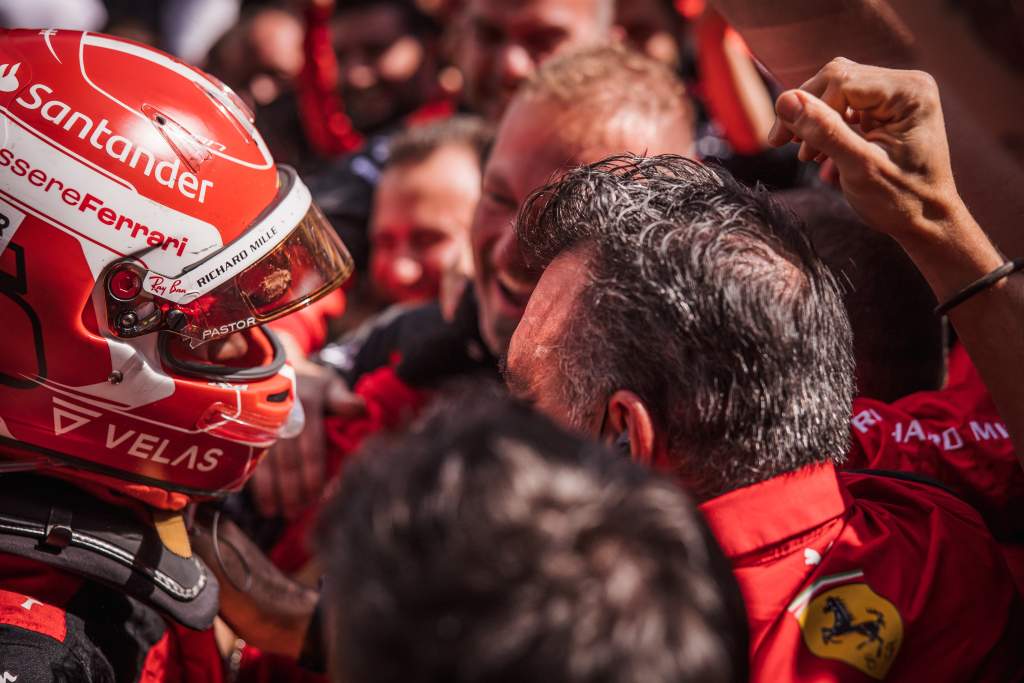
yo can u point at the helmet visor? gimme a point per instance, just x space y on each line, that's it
254 280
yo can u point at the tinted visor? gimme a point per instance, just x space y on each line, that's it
308 262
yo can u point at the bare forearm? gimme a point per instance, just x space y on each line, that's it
989 324
991 327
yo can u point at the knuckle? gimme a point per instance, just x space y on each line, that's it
922 79
838 68
925 86
832 134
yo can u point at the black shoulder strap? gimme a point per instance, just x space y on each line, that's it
55 523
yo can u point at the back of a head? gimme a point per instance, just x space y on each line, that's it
610 93
897 341
490 546
706 300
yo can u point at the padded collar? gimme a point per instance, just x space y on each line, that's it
60 525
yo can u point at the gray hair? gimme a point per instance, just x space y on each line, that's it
706 300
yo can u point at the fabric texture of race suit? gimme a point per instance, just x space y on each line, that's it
62 629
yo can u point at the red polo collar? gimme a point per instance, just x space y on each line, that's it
756 517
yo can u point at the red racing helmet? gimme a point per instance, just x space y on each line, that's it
142 216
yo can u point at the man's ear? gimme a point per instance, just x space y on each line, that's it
628 413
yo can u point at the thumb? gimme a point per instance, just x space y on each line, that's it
821 127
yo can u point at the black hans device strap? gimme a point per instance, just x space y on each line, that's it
59 525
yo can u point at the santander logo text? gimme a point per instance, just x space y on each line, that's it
168 173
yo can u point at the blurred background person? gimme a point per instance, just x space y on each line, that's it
371 67
503 43
423 208
260 58
420 234
387 52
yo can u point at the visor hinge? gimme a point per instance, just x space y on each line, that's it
175 320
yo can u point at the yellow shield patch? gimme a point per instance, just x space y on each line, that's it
853 624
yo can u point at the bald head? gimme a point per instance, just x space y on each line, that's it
617 99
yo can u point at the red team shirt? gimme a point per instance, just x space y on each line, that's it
855 577
956 437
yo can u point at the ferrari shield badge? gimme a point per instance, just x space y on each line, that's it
841 618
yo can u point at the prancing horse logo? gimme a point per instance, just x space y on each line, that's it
842 619
844 624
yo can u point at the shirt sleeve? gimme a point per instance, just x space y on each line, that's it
954 435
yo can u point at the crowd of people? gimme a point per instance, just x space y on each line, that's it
474 341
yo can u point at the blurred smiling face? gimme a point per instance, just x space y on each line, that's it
506 40
421 218
528 151
537 141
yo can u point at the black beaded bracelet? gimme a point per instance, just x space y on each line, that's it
980 285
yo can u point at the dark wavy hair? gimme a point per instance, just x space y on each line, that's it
706 299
